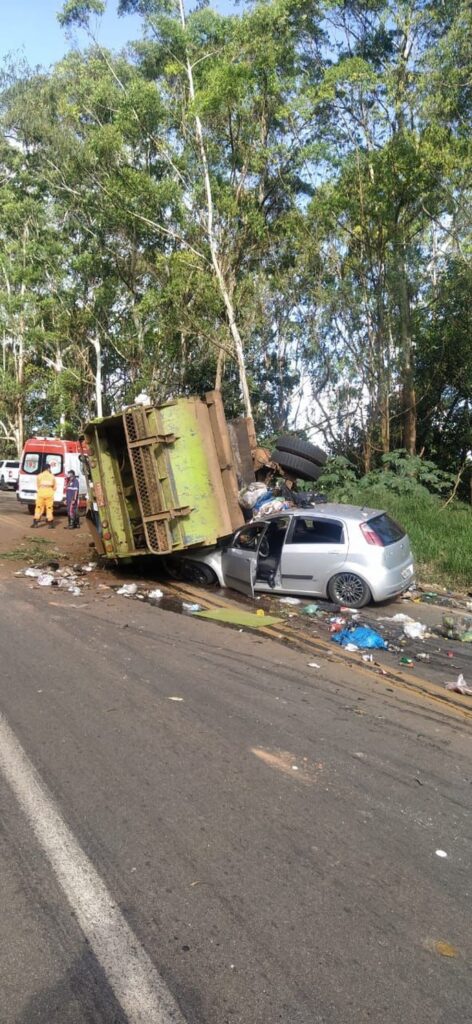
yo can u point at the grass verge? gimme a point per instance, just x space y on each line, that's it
33 551
441 538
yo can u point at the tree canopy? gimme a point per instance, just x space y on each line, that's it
275 202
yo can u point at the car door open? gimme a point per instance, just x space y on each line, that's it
239 561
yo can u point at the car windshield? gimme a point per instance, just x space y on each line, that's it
387 529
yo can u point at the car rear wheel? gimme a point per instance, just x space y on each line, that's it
307 450
296 466
349 589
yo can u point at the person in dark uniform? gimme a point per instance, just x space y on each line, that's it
72 500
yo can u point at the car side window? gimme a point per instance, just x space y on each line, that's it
248 538
316 531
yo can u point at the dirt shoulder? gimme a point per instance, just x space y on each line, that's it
20 544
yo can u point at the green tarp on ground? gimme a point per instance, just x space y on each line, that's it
237 617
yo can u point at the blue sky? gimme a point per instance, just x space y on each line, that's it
30 28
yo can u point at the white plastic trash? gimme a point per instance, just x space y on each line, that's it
35 573
154 595
460 686
45 580
128 590
415 630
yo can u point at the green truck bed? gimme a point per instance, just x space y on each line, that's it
163 477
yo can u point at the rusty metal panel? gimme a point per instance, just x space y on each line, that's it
240 443
225 456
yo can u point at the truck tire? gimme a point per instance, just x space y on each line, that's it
294 446
296 466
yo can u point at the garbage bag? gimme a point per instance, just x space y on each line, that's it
361 636
249 495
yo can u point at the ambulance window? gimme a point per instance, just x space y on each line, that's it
31 462
54 463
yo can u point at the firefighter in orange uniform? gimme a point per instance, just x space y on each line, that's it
45 498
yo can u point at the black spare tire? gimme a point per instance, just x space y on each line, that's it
307 450
296 466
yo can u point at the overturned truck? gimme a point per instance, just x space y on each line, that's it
166 478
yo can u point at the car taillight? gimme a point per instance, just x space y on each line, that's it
371 536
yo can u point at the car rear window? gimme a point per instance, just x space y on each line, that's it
387 529
12 465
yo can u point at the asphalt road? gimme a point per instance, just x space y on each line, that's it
268 841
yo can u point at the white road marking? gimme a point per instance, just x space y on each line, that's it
137 986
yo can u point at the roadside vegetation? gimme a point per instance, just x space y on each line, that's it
34 551
417 495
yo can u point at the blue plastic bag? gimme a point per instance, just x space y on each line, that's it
265 497
361 636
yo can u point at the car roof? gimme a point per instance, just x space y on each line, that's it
329 510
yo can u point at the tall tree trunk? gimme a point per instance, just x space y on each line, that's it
408 393
98 377
219 369
224 291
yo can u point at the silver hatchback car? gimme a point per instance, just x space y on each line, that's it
349 554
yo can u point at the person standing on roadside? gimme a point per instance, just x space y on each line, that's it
72 499
45 498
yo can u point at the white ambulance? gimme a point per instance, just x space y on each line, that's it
40 453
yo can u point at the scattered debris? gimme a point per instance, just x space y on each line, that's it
239 617
415 630
406 661
313 664
45 579
399 617
460 686
128 590
360 636
457 627
445 949
310 609
441 853
179 699
155 595
192 608
290 600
